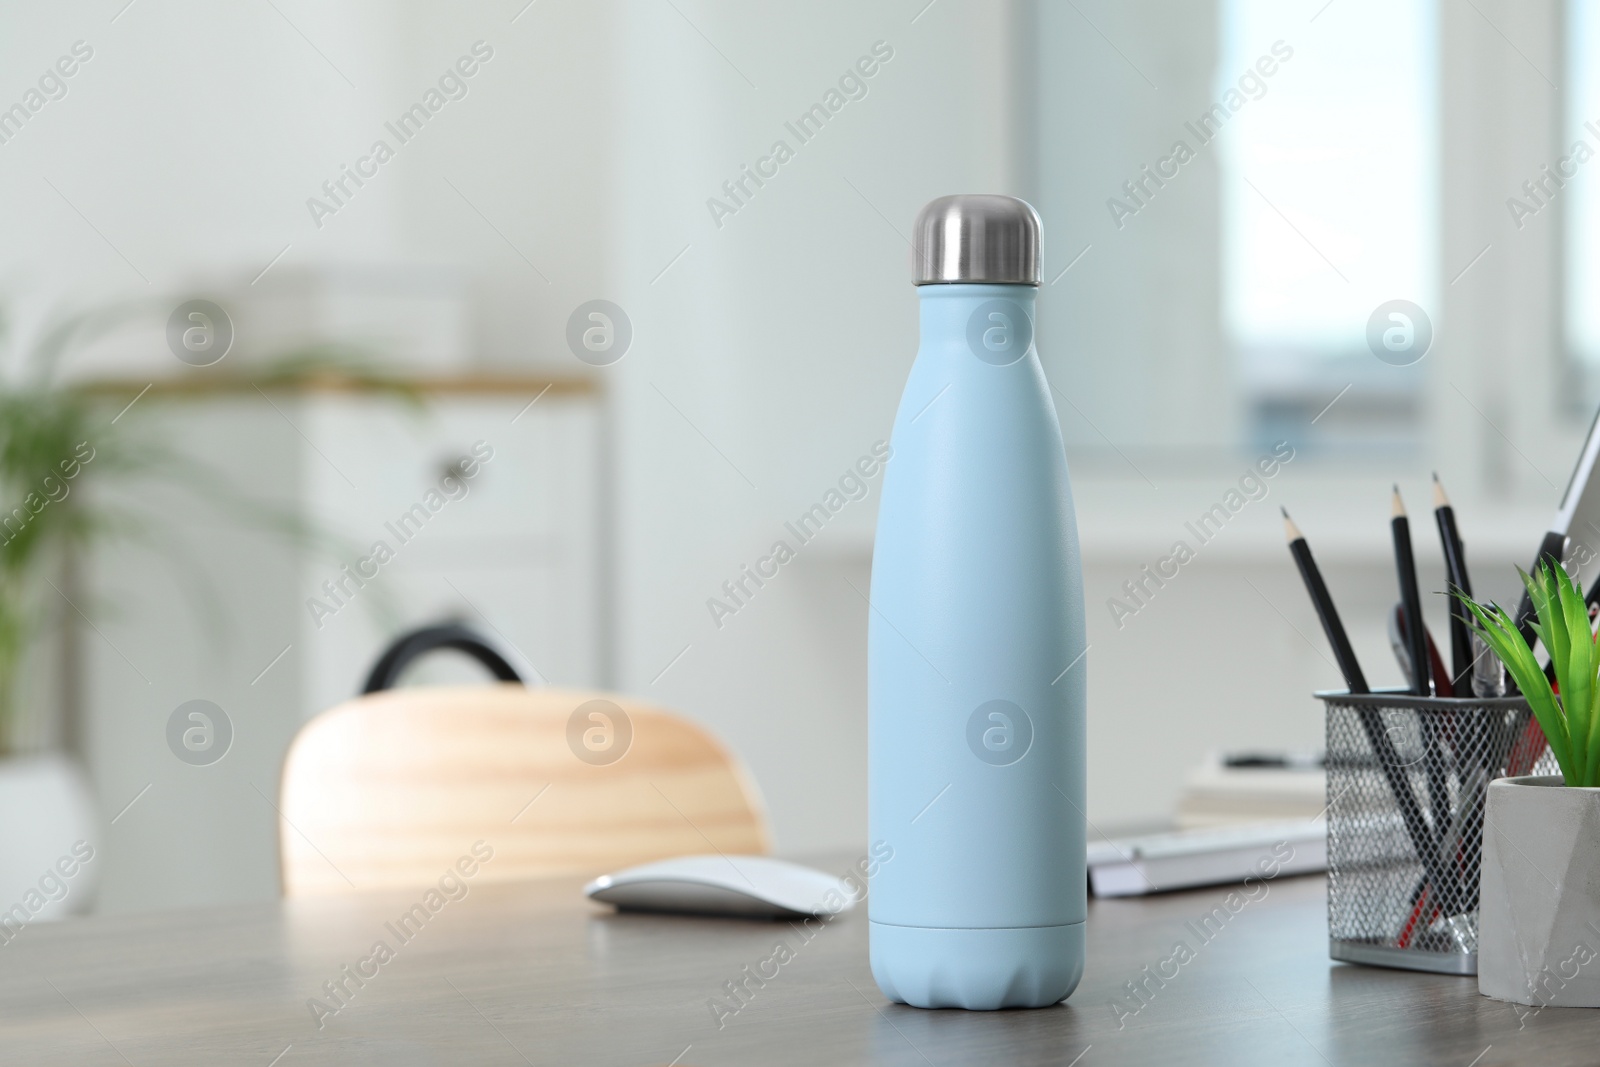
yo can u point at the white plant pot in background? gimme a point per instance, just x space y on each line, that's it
46 810
1539 895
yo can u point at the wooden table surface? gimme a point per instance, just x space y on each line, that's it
532 973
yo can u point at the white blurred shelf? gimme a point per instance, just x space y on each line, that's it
1345 518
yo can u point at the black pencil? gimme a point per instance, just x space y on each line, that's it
1354 680
1455 563
1405 565
1370 718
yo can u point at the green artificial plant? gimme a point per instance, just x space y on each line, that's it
1569 711
56 438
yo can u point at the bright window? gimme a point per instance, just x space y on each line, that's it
1329 181
1582 193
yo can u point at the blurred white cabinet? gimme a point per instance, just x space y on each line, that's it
512 550
211 601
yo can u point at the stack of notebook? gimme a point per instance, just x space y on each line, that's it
1251 787
1239 816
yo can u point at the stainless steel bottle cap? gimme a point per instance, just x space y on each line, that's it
976 237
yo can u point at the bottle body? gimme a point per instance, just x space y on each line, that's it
976 673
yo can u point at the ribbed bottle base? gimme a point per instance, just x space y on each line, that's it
981 970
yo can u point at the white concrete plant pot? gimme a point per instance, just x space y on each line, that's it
45 809
1539 895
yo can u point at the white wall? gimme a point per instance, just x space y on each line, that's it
772 355
1499 394
195 135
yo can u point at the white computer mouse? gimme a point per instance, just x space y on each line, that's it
750 886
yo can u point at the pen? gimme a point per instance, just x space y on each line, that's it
1400 644
1455 563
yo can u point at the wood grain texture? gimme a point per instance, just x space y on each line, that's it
392 789
531 973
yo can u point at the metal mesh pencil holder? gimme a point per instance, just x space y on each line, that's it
1407 778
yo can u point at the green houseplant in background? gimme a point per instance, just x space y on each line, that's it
1539 895
45 804
52 445
46 451
57 441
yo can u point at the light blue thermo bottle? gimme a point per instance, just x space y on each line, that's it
975 645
